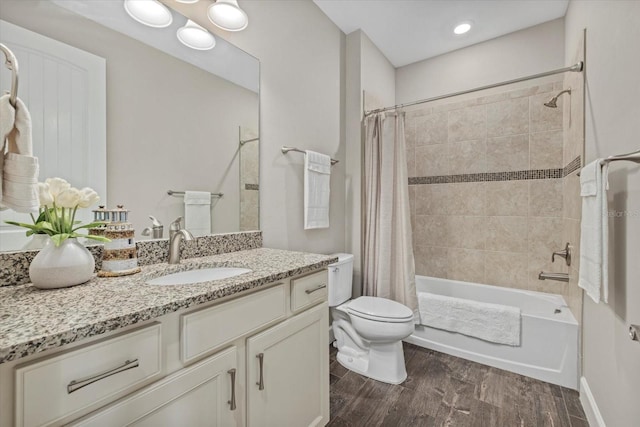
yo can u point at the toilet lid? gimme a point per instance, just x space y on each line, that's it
382 309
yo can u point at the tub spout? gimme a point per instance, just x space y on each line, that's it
561 277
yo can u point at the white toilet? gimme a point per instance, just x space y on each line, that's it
368 330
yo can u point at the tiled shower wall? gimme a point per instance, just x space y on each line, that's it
486 188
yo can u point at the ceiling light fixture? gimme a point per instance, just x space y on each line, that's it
227 15
194 36
187 1
149 12
462 28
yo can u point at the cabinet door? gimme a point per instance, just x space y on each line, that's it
294 372
195 396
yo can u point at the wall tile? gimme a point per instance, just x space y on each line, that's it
572 206
432 261
411 162
431 129
467 123
544 118
508 198
468 157
466 232
506 269
467 265
433 199
509 153
545 237
508 117
507 234
431 230
410 131
546 150
467 199
432 160
545 197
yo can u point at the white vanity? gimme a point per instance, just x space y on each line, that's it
254 352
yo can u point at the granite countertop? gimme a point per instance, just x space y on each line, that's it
33 320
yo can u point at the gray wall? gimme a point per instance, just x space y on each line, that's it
301 56
611 361
522 53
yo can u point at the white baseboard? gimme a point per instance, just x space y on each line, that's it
589 405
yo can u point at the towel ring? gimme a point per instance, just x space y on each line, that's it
12 64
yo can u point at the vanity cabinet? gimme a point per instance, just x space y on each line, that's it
287 377
256 359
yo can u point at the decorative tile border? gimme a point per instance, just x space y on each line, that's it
499 176
255 187
14 266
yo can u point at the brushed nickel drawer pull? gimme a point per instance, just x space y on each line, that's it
317 288
76 385
232 402
260 384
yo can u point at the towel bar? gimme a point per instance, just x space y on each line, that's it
629 157
181 193
285 150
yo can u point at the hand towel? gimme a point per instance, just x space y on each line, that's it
19 168
197 212
317 187
490 322
594 231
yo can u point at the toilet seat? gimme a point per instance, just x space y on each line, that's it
380 310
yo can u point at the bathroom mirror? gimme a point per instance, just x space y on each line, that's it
173 118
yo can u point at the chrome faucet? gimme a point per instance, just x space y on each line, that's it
561 277
178 234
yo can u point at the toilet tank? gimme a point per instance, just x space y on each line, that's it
340 279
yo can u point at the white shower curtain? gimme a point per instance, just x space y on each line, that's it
388 263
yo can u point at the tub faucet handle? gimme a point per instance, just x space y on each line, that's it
565 253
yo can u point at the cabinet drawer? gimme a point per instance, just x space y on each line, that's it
210 328
55 388
308 290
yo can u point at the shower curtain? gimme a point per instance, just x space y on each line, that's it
388 263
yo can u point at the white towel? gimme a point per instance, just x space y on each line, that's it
197 212
594 231
317 187
18 167
489 322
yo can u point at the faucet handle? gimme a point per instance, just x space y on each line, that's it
565 253
176 224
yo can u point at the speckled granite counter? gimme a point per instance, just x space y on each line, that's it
34 320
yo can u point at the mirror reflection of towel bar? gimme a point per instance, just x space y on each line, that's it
181 193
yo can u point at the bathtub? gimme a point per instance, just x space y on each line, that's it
549 336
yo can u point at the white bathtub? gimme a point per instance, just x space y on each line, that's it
549 340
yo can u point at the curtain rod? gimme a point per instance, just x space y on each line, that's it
578 67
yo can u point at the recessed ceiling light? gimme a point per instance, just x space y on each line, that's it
227 15
195 37
149 12
462 28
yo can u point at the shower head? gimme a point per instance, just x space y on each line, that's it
553 102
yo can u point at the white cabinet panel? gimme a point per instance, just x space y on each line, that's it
43 395
197 396
295 372
308 290
210 328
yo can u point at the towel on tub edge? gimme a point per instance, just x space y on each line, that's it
490 322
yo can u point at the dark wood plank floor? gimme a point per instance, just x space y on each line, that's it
443 390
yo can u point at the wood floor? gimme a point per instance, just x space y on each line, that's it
443 390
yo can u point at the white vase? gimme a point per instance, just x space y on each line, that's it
61 266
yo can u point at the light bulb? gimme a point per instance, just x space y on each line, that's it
227 15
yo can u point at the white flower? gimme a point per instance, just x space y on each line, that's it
68 198
46 199
57 186
87 197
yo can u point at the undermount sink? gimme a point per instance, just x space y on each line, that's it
198 276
